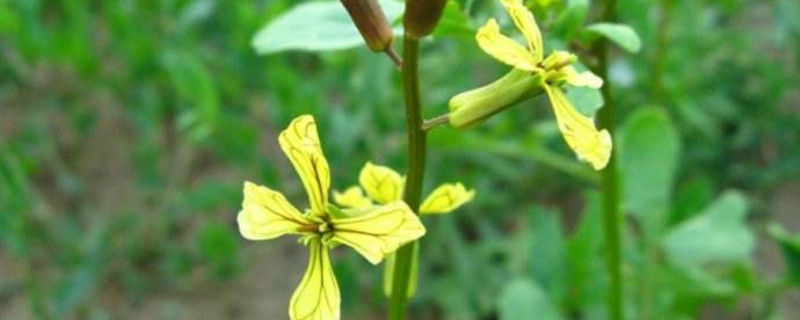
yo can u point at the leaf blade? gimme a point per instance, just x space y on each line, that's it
623 35
331 29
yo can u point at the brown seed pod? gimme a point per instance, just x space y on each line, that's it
422 16
371 23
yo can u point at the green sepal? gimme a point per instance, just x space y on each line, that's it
472 107
336 212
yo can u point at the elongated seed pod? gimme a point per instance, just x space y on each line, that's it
422 16
371 23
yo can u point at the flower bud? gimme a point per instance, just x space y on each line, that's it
371 23
472 107
422 16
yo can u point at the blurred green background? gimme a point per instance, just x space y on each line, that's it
128 127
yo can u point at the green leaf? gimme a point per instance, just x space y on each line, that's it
586 100
455 21
549 253
692 196
522 298
218 246
571 18
81 282
787 12
15 203
693 281
790 246
649 149
718 234
237 143
317 26
776 314
210 196
586 255
75 288
195 85
623 35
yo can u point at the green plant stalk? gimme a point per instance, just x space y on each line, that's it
398 301
612 218
646 282
646 286
660 52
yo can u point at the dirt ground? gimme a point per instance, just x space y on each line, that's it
262 292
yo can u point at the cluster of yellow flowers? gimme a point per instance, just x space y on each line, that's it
377 223
383 185
374 230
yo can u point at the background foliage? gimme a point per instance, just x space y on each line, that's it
128 128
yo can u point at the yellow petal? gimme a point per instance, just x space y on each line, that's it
503 48
317 296
582 79
381 183
380 231
523 19
446 198
353 197
579 131
266 214
301 144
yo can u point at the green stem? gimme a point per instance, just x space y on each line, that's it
660 51
441 120
416 167
612 218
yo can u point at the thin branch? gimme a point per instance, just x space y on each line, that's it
398 62
441 120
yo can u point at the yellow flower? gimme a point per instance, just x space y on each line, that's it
374 232
555 70
383 185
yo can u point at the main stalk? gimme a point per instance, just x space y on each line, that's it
612 215
398 302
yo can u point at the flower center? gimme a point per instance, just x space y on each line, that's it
319 228
323 228
558 60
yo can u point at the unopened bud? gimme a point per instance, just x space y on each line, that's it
371 23
422 16
473 107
